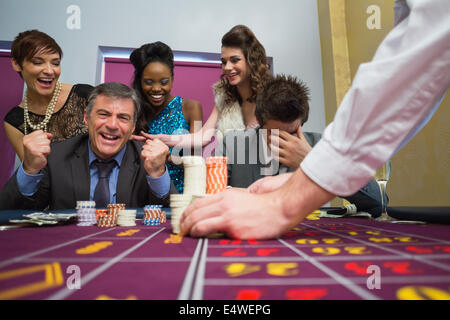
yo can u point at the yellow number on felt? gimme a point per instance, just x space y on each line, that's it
326 251
422 293
105 297
307 241
128 233
174 238
405 239
240 269
377 240
331 240
95 247
357 250
282 269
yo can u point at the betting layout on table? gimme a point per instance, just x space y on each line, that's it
347 258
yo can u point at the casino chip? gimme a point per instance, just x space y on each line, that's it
126 218
217 174
200 179
194 175
178 203
153 215
108 217
86 213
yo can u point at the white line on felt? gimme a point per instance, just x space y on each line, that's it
104 259
189 277
64 293
314 245
404 233
336 276
197 294
32 254
323 281
228 259
403 254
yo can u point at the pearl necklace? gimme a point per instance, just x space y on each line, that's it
48 112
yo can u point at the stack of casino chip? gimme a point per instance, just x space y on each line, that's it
178 203
153 215
86 213
102 218
194 175
126 218
108 217
216 174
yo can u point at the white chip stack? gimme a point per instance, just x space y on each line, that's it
126 218
194 175
194 184
178 203
86 213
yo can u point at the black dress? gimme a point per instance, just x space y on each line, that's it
65 123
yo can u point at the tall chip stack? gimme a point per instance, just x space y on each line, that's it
194 175
194 183
216 174
178 203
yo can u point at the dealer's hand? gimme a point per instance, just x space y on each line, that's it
239 214
244 215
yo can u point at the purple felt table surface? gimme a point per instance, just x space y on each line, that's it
347 258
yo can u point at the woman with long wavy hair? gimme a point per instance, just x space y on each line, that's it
245 68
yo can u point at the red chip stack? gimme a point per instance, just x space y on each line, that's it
216 174
108 217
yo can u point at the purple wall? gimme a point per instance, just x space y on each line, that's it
11 90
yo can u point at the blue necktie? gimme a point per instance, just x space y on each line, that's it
101 193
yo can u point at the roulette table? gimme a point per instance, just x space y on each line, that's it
321 258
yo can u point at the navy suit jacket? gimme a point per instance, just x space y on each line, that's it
66 180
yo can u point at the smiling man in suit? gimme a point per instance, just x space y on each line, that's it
103 165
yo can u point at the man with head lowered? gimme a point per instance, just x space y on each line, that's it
103 165
279 145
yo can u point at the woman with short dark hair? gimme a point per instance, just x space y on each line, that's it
47 105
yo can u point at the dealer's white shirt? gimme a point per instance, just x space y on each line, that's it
389 98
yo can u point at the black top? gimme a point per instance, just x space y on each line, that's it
65 123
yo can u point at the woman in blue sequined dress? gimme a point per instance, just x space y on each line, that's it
161 112
245 68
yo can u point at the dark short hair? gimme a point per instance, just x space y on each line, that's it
28 43
282 98
115 90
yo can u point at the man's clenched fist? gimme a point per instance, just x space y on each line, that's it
36 149
154 153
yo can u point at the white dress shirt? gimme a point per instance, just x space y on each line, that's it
389 98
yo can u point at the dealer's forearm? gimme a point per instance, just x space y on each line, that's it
300 196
